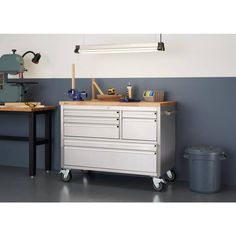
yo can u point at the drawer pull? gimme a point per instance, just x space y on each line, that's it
117 126
155 120
117 119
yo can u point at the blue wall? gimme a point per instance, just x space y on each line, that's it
206 115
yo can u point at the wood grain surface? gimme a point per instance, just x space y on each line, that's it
26 109
95 102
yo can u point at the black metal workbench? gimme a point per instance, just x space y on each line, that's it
32 138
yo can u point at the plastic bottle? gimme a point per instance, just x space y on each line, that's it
129 91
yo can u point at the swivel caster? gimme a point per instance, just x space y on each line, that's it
158 184
66 175
170 176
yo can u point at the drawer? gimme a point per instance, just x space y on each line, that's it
140 114
110 159
139 129
91 130
91 113
91 120
73 142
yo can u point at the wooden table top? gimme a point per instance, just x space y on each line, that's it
105 103
26 109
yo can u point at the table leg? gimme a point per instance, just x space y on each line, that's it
32 144
48 136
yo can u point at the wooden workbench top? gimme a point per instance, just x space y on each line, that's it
103 103
26 109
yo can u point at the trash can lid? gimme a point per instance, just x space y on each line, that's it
204 150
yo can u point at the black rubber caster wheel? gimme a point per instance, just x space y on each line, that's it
170 176
158 186
67 178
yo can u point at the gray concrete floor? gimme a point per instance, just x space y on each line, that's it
16 186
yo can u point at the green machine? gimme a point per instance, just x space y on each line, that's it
14 90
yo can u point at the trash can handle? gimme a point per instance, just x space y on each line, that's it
169 112
224 156
186 156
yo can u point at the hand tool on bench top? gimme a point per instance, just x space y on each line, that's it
73 93
104 97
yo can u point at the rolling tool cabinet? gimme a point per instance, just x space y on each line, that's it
129 138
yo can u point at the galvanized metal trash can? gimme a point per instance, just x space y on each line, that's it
204 168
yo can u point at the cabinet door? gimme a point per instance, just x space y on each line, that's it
110 159
139 129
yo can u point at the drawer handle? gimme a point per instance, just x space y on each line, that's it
117 119
155 153
117 112
117 126
155 120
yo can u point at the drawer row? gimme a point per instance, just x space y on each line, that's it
105 144
131 129
102 159
109 113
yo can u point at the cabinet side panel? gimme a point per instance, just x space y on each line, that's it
62 136
167 142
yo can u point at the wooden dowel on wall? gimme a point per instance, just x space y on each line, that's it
93 89
95 85
73 77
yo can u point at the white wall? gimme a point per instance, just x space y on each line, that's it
186 55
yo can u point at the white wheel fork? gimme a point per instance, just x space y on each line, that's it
65 172
158 184
169 174
157 181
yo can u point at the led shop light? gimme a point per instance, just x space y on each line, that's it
120 48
